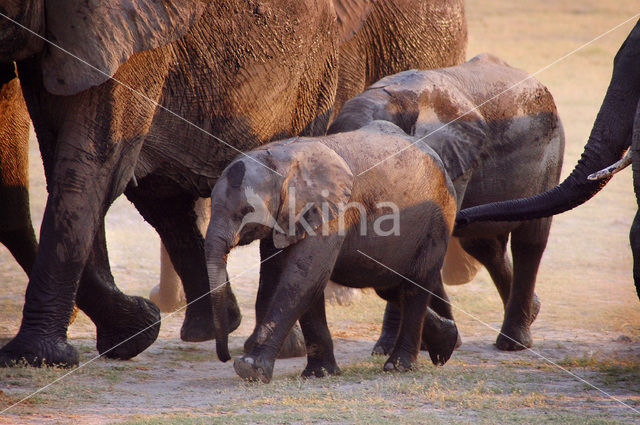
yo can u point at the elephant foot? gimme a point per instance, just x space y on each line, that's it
384 345
441 337
125 333
399 363
320 368
198 325
38 351
514 339
423 344
293 345
253 369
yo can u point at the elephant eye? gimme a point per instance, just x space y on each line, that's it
246 210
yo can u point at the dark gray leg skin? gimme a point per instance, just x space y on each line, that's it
175 221
22 245
439 327
294 345
406 349
319 346
390 328
125 325
299 285
527 245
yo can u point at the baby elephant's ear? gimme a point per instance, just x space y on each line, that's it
316 189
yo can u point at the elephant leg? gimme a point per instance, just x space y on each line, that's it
125 325
319 346
492 253
439 304
175 221
22 244
634 234
294 343
299 285
439 322
634 239
390 327
80 192
528 242
168 294
414 311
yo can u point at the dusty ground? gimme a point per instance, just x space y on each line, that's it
589 324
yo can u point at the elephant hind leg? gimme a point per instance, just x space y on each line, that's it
634 239
125 325
528 242
492 253
319 346
22 245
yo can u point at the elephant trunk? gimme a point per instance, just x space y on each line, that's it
610 137
217 248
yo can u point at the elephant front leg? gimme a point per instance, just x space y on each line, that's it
174 219
80 190
294 344
126 325
306 267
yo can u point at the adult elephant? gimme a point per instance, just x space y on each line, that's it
16 230
377 38
188 78
616 128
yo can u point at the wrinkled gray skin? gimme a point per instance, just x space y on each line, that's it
247 75
509 146
616 128
314 180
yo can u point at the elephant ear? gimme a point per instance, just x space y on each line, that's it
316 188
351 16
104 34
455 130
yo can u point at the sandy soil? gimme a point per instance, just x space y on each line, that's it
589 324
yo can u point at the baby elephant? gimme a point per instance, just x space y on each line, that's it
322 212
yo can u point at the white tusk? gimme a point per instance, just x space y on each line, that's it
612 169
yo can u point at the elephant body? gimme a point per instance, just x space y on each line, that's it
427 34
16 230
498 134
319 217
193 84
616 129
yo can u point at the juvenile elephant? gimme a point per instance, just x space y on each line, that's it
317 218
499 136
16 230
376 38
193 83
615 129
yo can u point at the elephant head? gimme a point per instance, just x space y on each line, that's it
284 191
88 40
